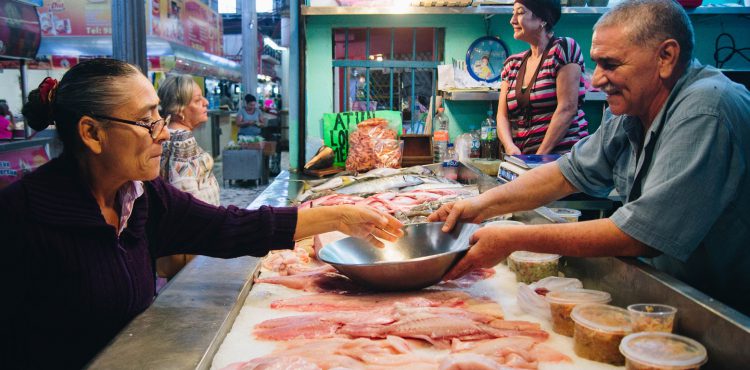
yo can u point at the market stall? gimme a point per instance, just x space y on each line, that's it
209 310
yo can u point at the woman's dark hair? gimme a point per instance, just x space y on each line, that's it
249 98
88 88
4 109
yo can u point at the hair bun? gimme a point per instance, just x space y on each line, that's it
38 115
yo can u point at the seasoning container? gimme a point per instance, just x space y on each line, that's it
530 267
569 214
561 303
599 328
504 223
662 351
652 317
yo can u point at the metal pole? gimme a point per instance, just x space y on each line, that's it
22 82
296 112
249 47
129 32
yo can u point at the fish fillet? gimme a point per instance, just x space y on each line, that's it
436 325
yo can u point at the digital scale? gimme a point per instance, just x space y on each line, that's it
513 166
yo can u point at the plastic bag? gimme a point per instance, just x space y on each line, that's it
531 297
373 145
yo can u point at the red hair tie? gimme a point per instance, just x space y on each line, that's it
47 90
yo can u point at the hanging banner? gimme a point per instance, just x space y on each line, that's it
76 18
338 126
189 22
16 163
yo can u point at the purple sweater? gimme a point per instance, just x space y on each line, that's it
70 284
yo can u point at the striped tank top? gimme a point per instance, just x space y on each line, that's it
528 127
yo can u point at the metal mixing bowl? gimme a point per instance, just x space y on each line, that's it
417 260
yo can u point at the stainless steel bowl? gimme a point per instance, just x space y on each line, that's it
417 260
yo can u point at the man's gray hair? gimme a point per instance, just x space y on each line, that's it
652 22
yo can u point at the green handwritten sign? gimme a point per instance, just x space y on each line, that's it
338 126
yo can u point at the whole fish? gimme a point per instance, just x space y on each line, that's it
380 184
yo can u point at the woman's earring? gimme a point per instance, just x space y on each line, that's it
544 24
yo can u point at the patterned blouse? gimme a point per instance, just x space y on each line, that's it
528 127
188 167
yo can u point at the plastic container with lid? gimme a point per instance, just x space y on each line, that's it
652 317
569 214
561 303
662 351
599 328
530 267
504 223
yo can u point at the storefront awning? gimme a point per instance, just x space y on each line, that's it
172 56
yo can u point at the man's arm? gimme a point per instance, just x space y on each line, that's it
533 189
597 238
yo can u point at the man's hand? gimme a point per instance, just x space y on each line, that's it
467 210
490 245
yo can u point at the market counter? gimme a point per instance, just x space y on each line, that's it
188 321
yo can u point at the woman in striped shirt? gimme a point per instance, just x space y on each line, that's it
539 110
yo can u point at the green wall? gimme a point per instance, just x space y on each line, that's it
460 31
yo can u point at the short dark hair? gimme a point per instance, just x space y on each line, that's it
249 98
86 89
4 109
653 21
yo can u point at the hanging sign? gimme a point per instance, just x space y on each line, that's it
16 163
338 126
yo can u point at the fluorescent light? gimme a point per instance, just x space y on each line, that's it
227 6
268 41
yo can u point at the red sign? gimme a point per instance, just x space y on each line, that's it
76 18
16 163
189 22
19 30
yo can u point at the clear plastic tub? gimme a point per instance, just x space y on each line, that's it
561 303
569 214
662 351
530 267
652 317
599 328
504 223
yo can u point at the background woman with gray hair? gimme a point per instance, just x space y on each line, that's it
184 164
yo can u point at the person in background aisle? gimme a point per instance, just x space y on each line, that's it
539 110
676 146
250 118
226 100
6 122
80 232
184 164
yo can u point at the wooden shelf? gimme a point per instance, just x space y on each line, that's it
494 95
490 9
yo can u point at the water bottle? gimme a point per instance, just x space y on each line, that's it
490 143
450 163
475 151
440 136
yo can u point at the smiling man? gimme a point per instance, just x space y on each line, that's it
675 145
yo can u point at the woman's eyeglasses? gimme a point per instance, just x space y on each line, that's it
154 128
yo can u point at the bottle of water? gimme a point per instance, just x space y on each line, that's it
490 142
440 136
450 163
476 143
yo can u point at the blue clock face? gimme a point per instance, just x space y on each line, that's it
485 58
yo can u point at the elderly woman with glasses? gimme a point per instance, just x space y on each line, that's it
184 164
81 232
